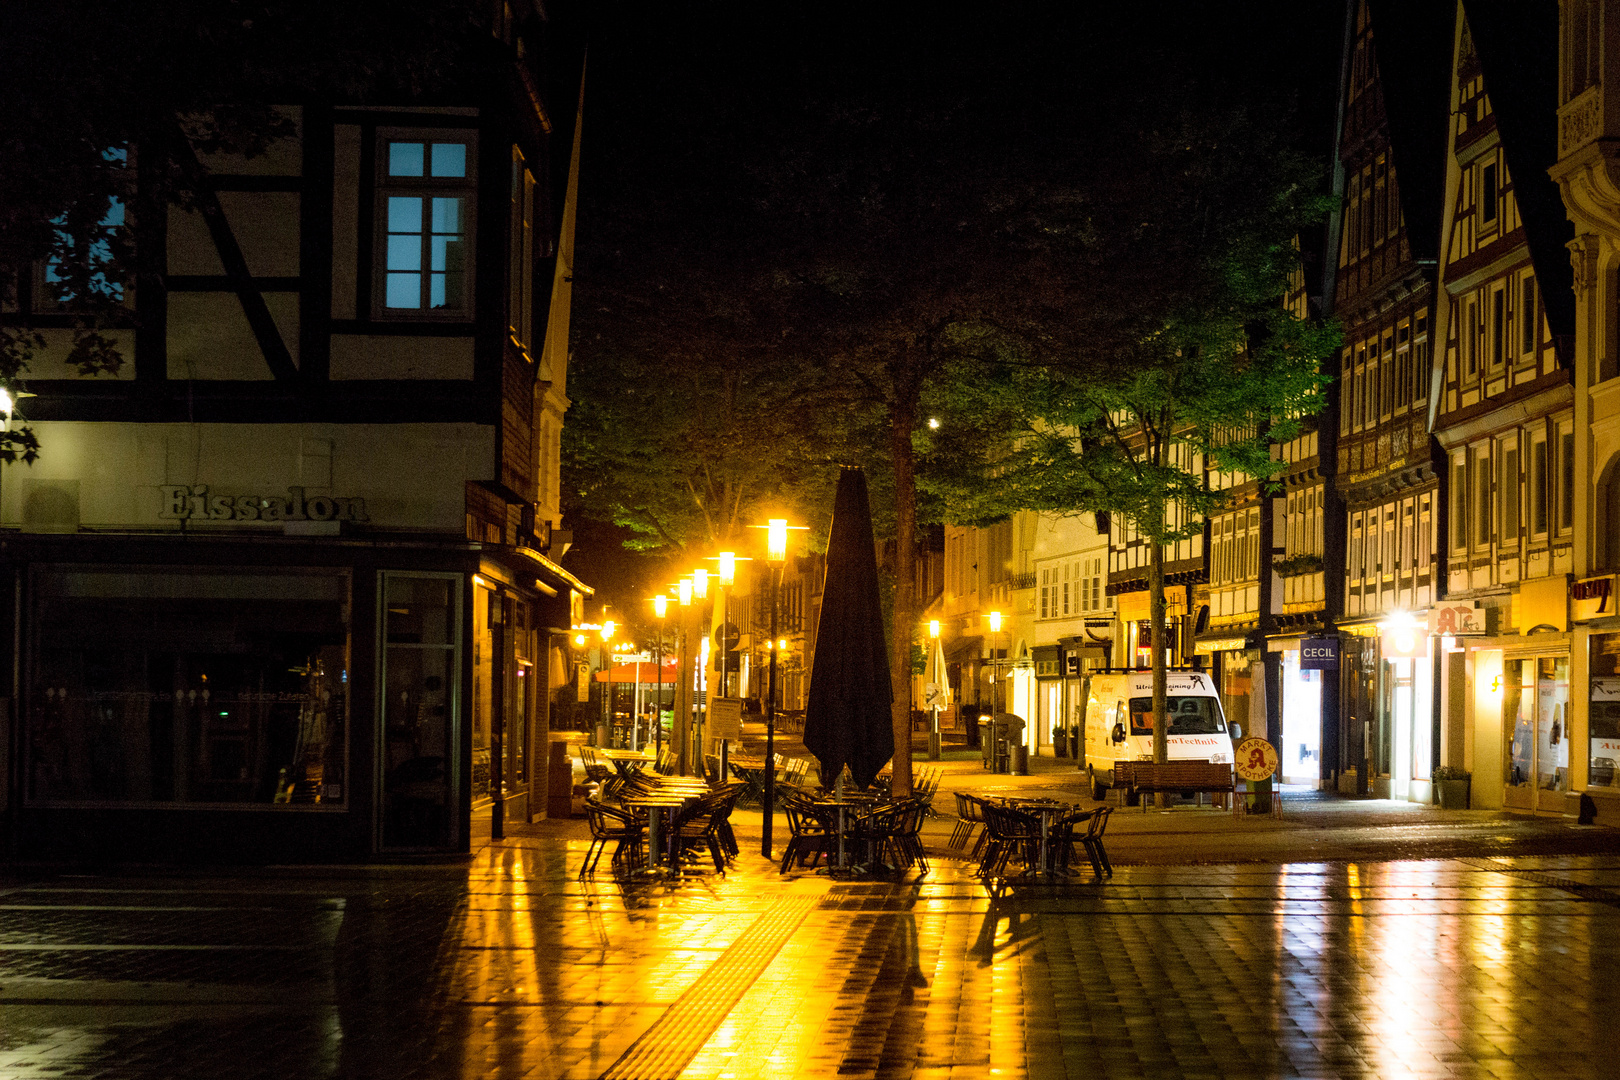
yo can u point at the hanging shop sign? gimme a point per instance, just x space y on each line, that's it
192 502
1319 654
1459 618
1592 598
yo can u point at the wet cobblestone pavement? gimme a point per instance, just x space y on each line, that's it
509 967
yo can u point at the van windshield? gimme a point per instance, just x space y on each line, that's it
1188 716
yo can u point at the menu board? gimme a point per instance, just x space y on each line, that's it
725 718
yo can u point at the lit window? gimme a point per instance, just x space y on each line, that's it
426 204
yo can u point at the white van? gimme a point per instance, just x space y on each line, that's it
1119 722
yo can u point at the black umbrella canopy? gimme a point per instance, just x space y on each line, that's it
846 716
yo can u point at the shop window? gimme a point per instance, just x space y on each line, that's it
151 685
1603 747
420 679
425 201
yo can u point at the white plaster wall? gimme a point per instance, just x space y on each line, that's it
412 476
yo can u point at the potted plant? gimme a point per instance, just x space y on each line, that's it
1451 788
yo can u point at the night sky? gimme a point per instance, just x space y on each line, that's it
681 97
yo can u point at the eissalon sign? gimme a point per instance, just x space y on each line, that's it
182 502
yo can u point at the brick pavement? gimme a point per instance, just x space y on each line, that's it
509 967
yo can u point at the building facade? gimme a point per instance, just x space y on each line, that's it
284 587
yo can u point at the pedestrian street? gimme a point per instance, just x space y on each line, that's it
511 967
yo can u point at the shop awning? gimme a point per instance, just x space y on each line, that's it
648 672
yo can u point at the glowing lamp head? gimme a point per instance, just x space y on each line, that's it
700 584
781 645
995 622
728 567
6 404
686 592
608 630
776 540
933 628
933 423
660 605
579 639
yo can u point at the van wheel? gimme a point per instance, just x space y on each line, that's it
1099 790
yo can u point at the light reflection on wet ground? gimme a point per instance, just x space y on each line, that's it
509 967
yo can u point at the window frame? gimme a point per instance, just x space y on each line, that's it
426 188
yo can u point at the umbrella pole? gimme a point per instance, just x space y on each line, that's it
770 734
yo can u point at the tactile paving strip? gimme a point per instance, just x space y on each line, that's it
1595 893
675 1038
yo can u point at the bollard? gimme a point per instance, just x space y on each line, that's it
1020 760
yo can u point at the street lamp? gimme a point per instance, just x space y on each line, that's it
776 555
660 605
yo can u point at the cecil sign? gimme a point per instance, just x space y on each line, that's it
193 503
1319 654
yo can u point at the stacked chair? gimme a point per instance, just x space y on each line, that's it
611 823
968 819
1012 833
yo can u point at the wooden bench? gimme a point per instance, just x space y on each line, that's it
1146 777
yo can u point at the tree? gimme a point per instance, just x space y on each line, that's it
1193 366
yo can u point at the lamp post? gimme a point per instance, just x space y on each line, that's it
605 731
682 733
700 666
660 605
933 649
728 577
776 556
995 661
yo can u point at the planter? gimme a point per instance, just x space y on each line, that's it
1453 794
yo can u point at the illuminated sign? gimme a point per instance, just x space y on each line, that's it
1458 618
1319 654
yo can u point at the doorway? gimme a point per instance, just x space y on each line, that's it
1535 719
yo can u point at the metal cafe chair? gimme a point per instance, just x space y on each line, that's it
609 823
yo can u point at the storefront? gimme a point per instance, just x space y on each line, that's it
1388 738
1304 666
275 699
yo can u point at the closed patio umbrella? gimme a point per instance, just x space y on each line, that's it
847 711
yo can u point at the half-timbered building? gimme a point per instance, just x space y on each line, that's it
1381 288
285 586
1503 406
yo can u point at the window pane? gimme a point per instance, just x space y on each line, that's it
447 215
449 159
405 159
168 686
404 214
404 290
405 252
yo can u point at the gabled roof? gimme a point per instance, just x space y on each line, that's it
1517 44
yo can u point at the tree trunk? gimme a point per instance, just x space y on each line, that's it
903 422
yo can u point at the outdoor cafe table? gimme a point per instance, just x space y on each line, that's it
628 762
842 806
657 806
1048 810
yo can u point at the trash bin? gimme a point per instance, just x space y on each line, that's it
1008 732
987 742
1020 760
560 782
